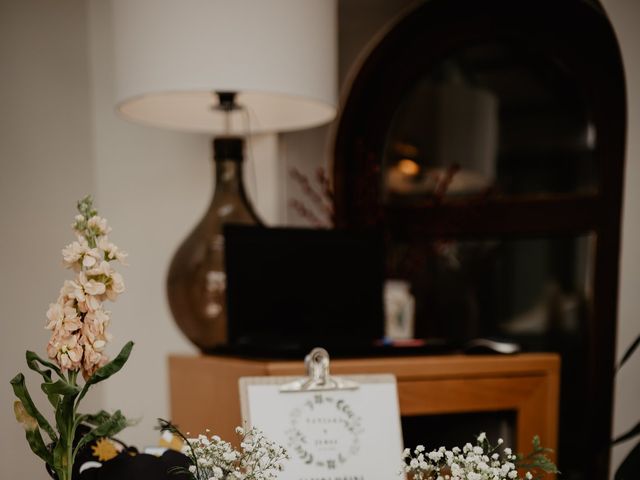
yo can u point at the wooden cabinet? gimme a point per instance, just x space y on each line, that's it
493 213
204 389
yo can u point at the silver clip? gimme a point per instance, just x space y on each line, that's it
318 378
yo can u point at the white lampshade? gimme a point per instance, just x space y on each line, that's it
279 55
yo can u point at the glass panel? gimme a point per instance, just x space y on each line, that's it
491 119
455 430
536 291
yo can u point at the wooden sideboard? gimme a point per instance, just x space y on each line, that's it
204 389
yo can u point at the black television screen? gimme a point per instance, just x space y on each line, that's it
293 289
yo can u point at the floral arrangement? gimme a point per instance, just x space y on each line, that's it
78 323
481 461
215 459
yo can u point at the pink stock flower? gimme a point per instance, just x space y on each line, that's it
95 325
66 351
116 286
55 315
92 360
63 319
77 321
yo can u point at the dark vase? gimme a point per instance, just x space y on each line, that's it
196 284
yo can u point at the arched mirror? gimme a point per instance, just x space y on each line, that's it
486 138
494 119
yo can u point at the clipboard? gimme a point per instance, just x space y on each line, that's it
334 428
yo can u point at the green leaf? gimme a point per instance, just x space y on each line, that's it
20 391
630 466
61 387
632 348
32 362
537 459
115 424
107 370
37 445
96 418
64 418
59 457
626 436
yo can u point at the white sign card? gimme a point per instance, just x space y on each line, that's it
329 434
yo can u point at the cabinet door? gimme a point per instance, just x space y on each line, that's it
486 138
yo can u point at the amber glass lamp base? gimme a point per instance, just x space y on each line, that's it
196 283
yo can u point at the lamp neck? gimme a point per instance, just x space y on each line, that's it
228 157
229 176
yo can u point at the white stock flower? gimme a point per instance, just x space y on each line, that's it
116 286
111 251
99 225
73 253
91 257
101 268
92 287
73 290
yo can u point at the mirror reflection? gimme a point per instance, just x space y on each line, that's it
491 119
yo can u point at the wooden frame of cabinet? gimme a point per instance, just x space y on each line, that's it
204 389
589 52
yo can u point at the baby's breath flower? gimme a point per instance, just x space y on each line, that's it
215 459
472 462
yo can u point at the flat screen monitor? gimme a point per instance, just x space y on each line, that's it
292 289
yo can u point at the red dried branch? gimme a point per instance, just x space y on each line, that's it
322 201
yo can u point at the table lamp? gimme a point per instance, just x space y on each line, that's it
229 68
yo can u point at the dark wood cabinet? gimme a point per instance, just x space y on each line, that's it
486 139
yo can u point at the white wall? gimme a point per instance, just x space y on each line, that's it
625 16
45 165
